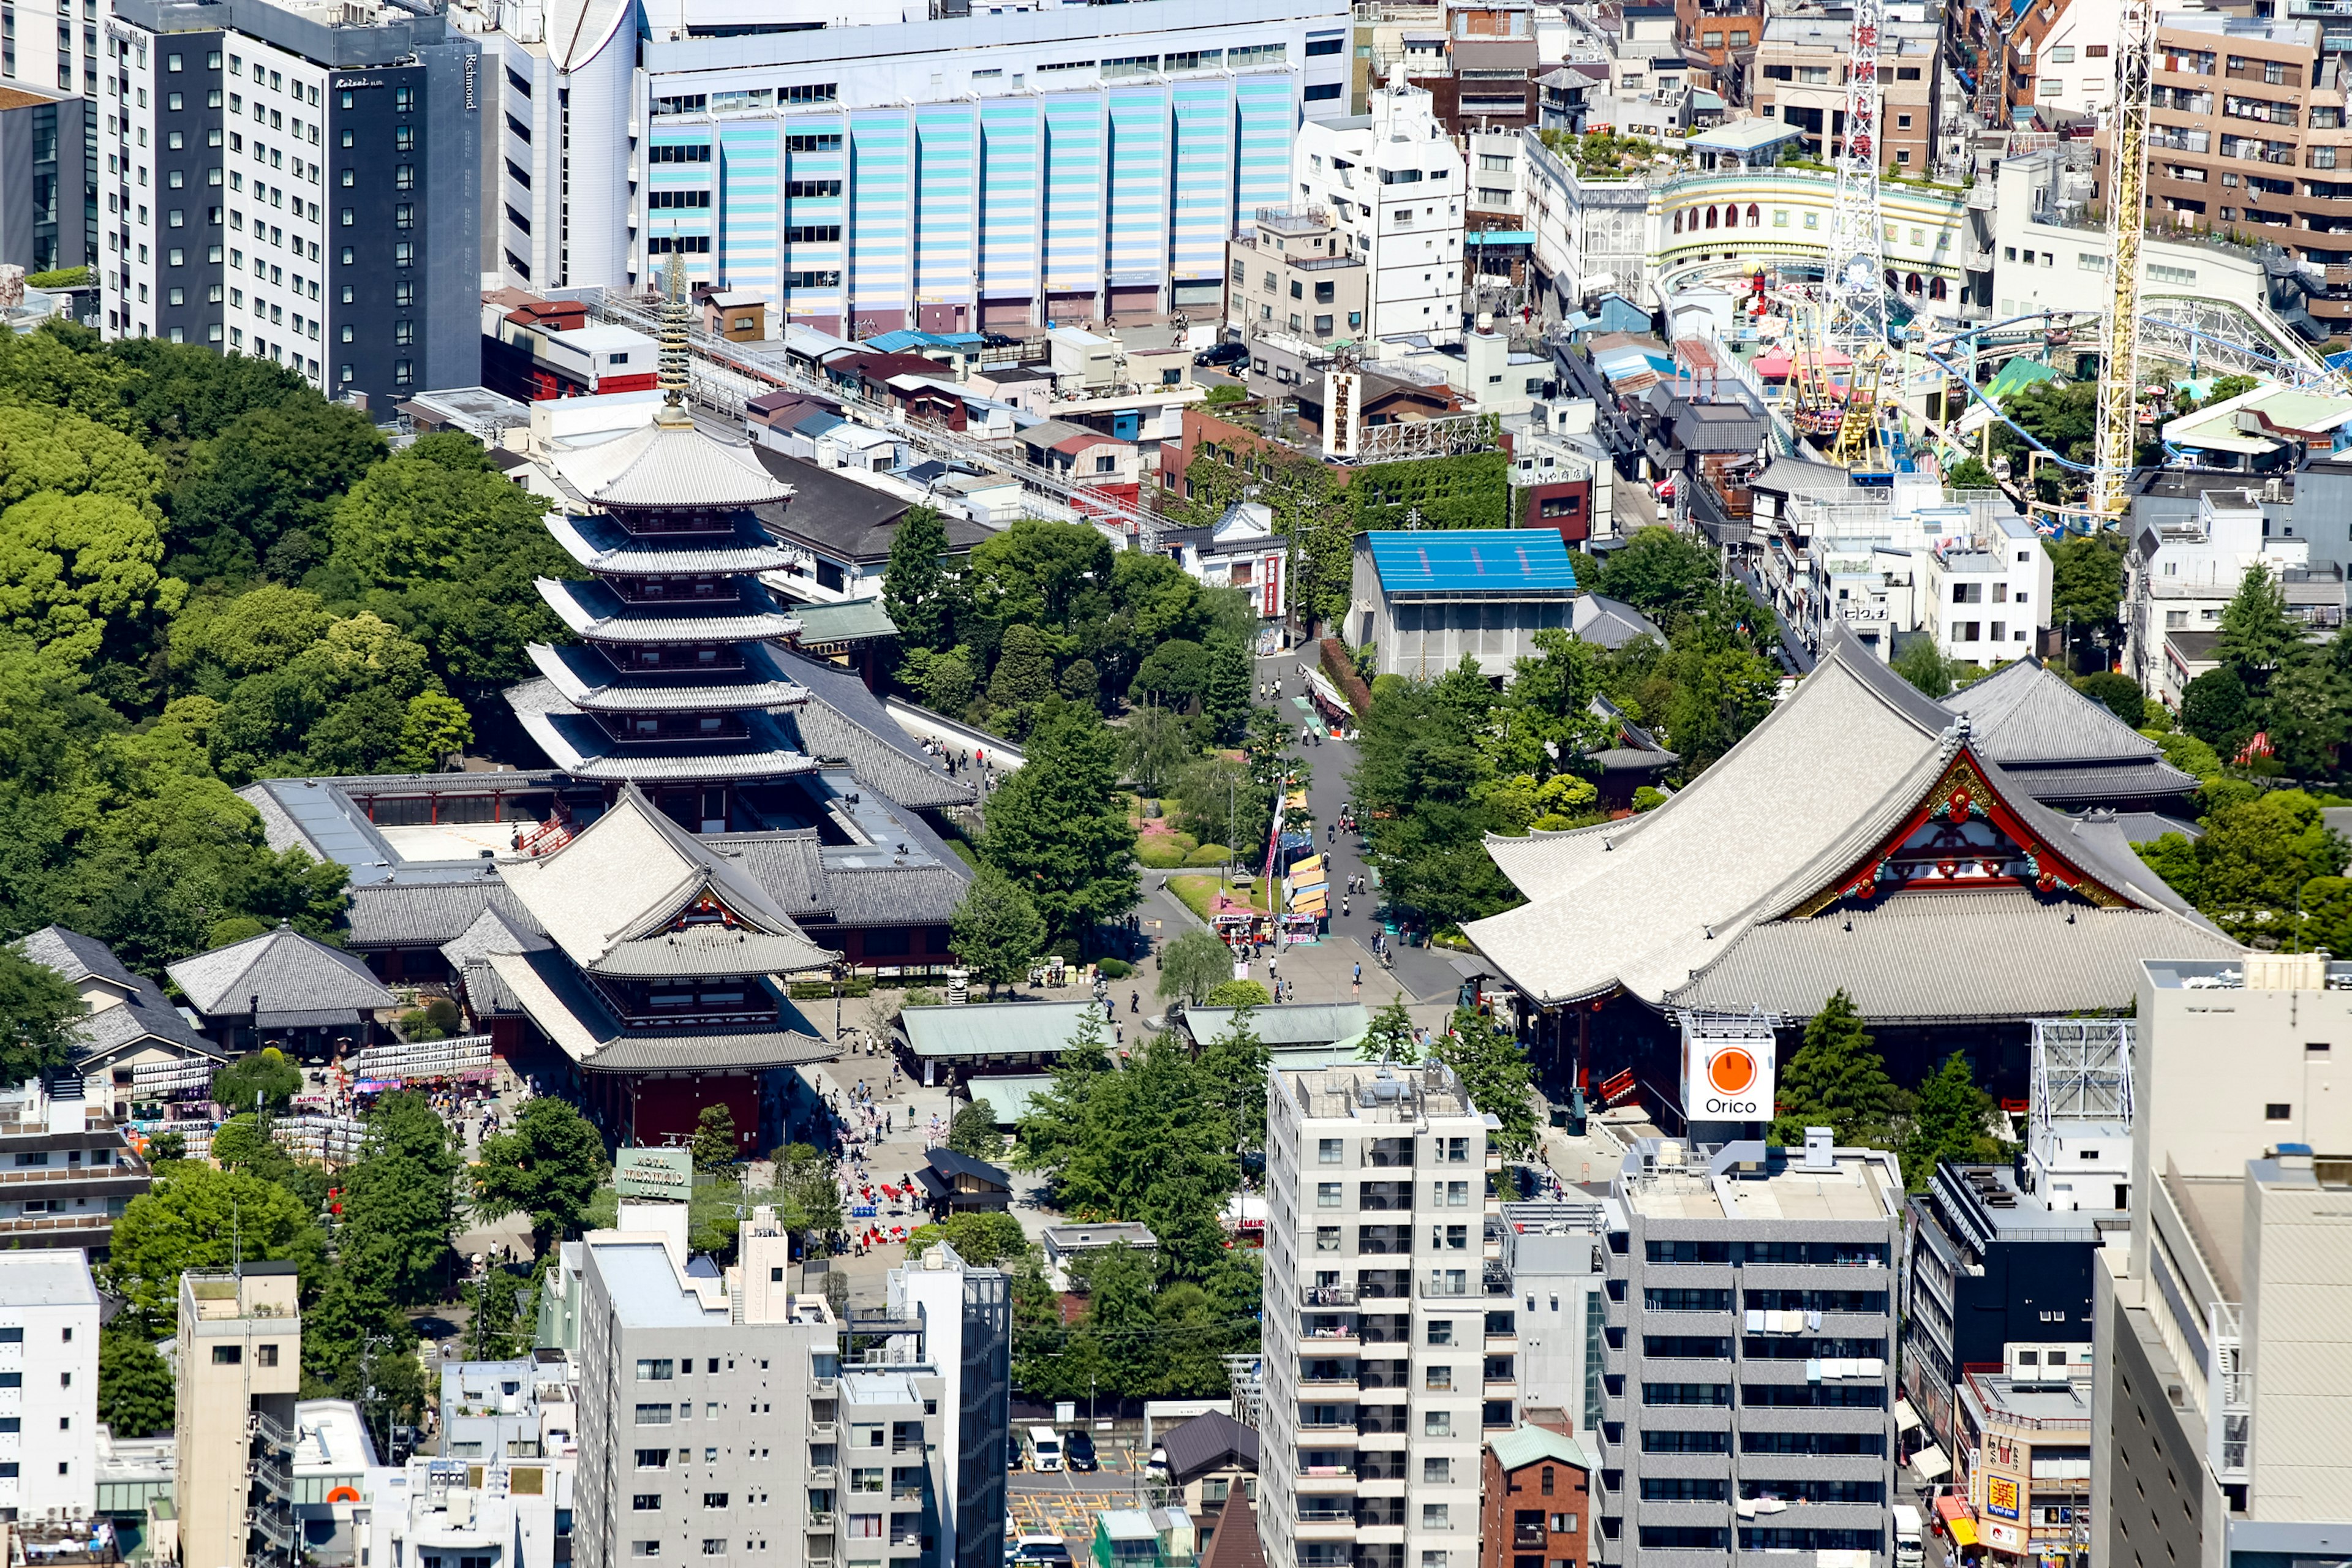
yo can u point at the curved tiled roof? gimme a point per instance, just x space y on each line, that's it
602 544
2059 743
593 611
589 682
293 975
1651 903
669 463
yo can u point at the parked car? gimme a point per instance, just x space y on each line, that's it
1078 1452
1223 355
1042 1552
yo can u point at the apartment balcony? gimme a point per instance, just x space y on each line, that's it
1294 220
1340 1529
820 1519
824 1431
823 1475
1339 1296
1325 1480
1329 1340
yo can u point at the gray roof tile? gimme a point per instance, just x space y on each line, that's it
298 981
426 914
76 957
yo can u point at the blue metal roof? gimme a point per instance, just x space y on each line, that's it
1501 561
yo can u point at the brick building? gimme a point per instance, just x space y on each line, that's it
1536 1508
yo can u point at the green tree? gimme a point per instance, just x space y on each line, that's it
2310 708
973 1133
1970 474
950 683
1232 1066
1494 1074
982 1240
2187 753
806 1198
498 1331
1949 1122
1389 1039
715 1144
1080 682
80 575
1659 571
260 495
2087 579
1024 676
198 1218
400 1196
1424 783
2172 856
918 589
2323 917
45 447
2256 856
2119 693
1237 993
1052 1127
38 1014
264 1072
1173 673
135 1394
546 1167
1057 827
2256 630
433 730
1836 1079
1225 690
1921 663
1192 965
995 930
1153 750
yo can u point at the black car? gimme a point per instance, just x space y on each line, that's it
1078 1452
1222 355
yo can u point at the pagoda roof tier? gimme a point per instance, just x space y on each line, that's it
569 1012
581 746
672 462
634 895
590 682
2061 746
602 545
593 611
1858 804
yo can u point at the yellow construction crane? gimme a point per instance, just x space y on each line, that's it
2110 490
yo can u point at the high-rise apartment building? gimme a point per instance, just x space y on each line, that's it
1751 1354
725 1415
2246 131
1378 1304
886 167
240 1366
301 183
2223 1359
48 185
48 1384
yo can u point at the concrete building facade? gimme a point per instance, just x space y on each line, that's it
298 189
48 1386
240 1366
1396 184
1752 1323
1379 1306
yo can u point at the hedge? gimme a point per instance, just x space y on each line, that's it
1341 669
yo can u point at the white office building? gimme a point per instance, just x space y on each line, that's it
1556 1253
1395 183
1379 1309
873 165
48 1386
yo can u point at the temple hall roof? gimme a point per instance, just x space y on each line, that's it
1792 836
2060 746
615 896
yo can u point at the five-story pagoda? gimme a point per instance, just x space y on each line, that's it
671 686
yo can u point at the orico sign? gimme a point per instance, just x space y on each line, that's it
1728 1078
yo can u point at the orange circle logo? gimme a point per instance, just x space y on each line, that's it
1731 1070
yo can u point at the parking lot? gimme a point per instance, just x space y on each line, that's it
1058 1502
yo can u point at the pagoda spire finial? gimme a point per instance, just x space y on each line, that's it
676 356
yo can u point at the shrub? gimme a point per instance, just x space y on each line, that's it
1238 993
1116 968
1340 666
1209 855
1159 852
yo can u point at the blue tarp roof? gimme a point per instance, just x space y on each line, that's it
1473 560
905 339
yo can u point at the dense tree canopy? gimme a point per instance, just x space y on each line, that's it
1059 831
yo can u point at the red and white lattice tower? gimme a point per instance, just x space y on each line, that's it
1854 276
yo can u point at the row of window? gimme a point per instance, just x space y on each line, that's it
1832 1254
1769 1396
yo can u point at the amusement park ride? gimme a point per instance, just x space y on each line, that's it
1851 356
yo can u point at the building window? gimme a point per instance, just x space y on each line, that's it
2274 1111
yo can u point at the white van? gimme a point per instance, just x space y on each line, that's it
1045 1450
1909 1550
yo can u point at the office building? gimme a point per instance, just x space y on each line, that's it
238 1367
2221 1366
963 169
1750 1304
48 1377
1999 1277
2023 1441
1424 601
1396 186
1553 1253
300 185
1378 1308
48 176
